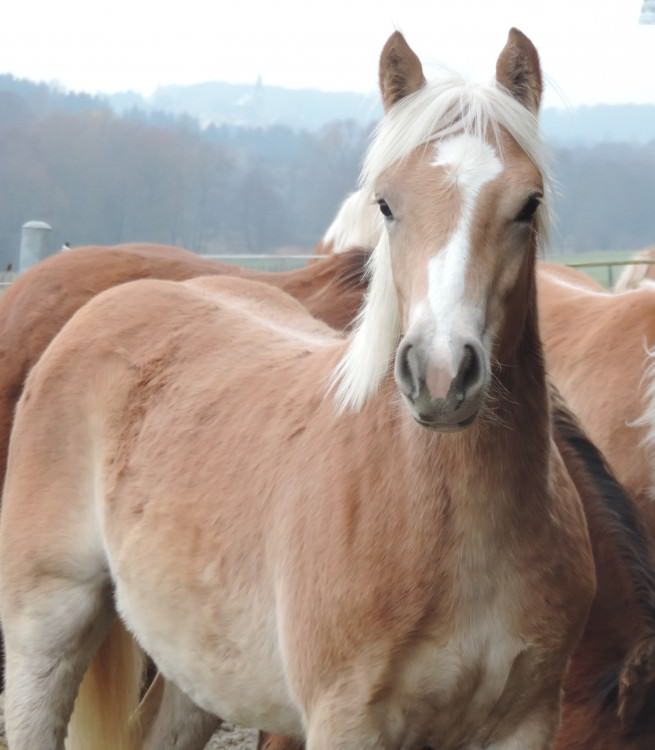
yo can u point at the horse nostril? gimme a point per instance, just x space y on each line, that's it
407 371
469 373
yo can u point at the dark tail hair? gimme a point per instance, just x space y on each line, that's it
616 511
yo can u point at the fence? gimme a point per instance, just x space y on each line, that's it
605 272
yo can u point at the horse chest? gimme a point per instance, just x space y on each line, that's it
451 685
476 659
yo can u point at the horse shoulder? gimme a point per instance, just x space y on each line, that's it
263 305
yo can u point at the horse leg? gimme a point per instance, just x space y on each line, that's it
171 721
278 742
338 725
536 730
52 630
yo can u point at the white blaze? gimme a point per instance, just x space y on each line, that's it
471 164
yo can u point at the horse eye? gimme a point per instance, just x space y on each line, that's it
526 214
384 209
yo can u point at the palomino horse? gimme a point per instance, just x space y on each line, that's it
405 586
633 275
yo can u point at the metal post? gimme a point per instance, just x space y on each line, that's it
33 243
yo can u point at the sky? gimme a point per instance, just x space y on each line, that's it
591 50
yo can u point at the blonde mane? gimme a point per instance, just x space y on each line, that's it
437 110
635 274
358 223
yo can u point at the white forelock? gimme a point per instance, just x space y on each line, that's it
446 107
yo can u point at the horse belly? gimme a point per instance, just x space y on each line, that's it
225 658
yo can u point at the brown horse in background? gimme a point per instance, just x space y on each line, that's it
37 305
599 352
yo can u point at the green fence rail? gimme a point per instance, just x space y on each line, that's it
606 274
604 271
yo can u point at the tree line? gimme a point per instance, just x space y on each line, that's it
101 178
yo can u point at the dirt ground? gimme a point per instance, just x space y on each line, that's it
227 738
237 739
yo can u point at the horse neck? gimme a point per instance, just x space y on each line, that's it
517 414
519 377
506 452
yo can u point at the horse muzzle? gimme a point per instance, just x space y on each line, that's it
437 399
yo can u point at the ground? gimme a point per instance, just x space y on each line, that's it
238 739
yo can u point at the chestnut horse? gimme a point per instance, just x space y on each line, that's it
598 351
36 306
405 586
609 380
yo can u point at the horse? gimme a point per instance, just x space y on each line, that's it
610 686
37 305
597 348
349 555
609 381
640 271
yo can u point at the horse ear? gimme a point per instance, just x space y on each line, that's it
519 71
401 72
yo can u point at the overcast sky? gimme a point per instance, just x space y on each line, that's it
591 50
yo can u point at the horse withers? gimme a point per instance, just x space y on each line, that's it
356 575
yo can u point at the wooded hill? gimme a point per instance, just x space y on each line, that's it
101 177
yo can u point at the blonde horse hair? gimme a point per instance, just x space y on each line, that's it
634 274
105 712
358 223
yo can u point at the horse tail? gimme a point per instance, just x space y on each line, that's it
614 511
106 706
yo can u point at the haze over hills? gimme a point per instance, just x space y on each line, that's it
246 105
258 105
270 171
